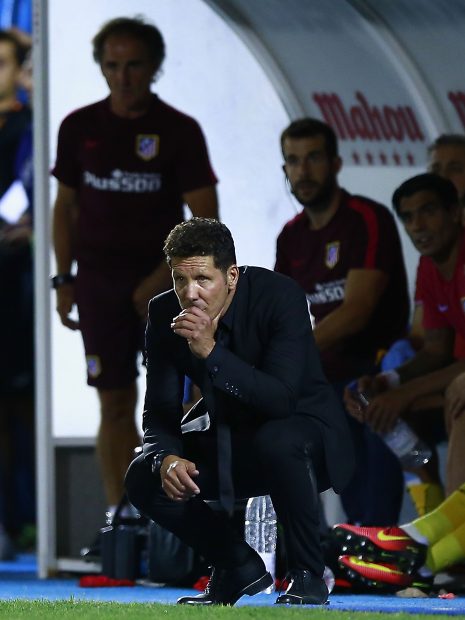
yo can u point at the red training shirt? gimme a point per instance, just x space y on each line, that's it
361 235
130 175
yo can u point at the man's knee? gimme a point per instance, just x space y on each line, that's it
455 388
454 399
139 482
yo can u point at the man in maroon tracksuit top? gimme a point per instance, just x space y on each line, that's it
345 252
125 168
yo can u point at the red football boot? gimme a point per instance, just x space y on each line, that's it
383 577
379 544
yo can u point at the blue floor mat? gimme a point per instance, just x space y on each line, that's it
18 580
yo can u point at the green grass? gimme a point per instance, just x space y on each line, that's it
21 609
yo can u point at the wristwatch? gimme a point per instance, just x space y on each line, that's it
61 278
157 460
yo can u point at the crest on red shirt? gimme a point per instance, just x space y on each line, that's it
94 367
332 254
462 303
147 146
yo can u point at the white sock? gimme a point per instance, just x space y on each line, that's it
412 531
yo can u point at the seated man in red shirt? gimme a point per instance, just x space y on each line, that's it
429 208
446 158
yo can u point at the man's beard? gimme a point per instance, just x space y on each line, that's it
321 199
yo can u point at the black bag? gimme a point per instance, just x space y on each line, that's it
123 544
169 560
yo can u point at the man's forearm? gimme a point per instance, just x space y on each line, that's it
423 363
337 326
63 239
433 382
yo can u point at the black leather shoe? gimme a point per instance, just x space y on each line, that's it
227 585
304 589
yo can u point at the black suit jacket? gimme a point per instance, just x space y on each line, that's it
269 369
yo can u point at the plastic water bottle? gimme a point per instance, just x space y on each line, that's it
329 579
411 451
261 531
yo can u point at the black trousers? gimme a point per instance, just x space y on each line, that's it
374 494
283 458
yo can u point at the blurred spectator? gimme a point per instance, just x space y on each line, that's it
345 252
428 207
16 303
125 167
446 159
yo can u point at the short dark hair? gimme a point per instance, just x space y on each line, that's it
19 50
309 128
201 236
444 189
136 28
447 139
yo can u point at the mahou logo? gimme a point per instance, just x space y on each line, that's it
393 133
369 122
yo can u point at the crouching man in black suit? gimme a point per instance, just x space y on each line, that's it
273 427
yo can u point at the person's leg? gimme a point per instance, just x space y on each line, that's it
426 418
194 522
442 521
425 495
279 459
291 455
448 551
292 459
23 432
237 569
454 413
117 437
431 540
7 476
113 335
374 494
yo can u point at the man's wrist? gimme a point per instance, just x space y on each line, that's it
157 461
60 279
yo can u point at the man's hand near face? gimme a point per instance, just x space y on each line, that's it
198 329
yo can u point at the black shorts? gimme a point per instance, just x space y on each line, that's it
112 331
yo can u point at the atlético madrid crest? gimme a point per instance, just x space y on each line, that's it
332 254
94 366
147 146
